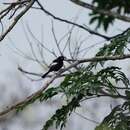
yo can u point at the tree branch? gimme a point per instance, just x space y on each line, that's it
38 75
45 86
29 98
16 19
101 11
102 58
120 34
72 23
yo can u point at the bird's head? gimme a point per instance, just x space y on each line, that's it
61 58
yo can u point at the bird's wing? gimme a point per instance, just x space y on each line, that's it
52 64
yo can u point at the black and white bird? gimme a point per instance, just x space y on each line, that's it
55 66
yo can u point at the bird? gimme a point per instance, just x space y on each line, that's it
56 65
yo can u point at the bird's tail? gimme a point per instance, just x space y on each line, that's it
43 76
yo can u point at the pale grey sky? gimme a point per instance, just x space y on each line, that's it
11 80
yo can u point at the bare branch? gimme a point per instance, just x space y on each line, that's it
101 58
38 74
30 73
40 43
72 23
86 118
121 33
16 19
32 47
28 99
55 39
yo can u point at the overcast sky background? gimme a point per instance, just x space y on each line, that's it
14 86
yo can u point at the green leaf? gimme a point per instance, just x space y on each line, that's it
61 115
127 94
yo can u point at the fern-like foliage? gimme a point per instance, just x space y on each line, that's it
120 6
117 46
61 115
118 119
83 84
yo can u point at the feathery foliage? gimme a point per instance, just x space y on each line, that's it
82 85
117 46
118 119
119 6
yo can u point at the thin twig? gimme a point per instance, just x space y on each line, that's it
16 19
86 118
30 73
55 38
72 23
37 74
